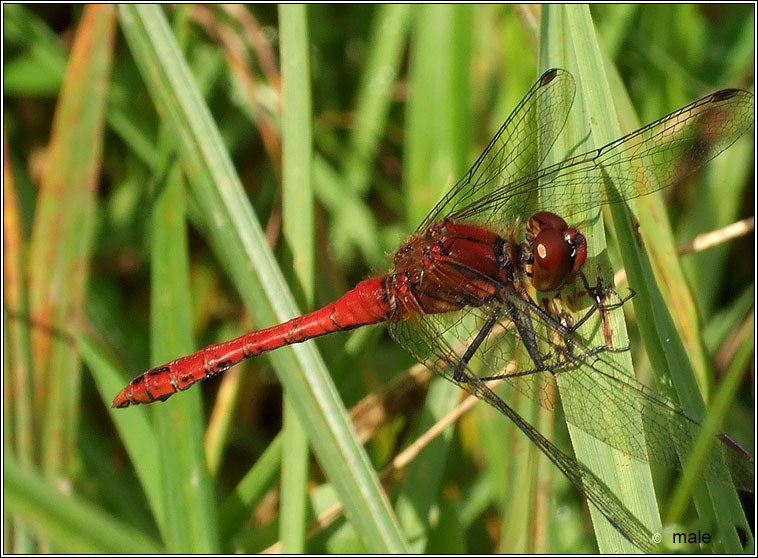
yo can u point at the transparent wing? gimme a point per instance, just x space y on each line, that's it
518 148
659 155
429 345
596 395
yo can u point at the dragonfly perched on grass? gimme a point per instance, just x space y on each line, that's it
461 294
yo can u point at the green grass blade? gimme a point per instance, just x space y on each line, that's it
299 233
673 338
233 513
388 37
650 307
675 357
719 408
42 68
135 429
62 236
188 496
439 116
242 249
71 524
629 480
18 418
354 227
436 151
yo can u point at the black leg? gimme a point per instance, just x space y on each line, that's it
489 323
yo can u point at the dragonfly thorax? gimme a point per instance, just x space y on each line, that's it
448 267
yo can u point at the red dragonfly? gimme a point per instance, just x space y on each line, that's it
460 295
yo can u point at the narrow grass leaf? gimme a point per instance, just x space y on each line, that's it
135 429
188 496
69 523
240 245
299 234
62 235
628 479
435 154
41 70
675 357
236 509
18 418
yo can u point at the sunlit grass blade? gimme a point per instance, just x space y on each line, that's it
675 357
630 480
241 247
299 236
374 97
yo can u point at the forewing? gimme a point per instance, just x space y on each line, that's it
661 154
518 148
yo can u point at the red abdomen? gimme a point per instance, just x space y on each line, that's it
367 303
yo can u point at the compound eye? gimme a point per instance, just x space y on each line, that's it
578 249
543 220
553 260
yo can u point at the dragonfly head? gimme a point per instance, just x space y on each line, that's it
557 251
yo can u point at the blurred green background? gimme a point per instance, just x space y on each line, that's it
403 99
